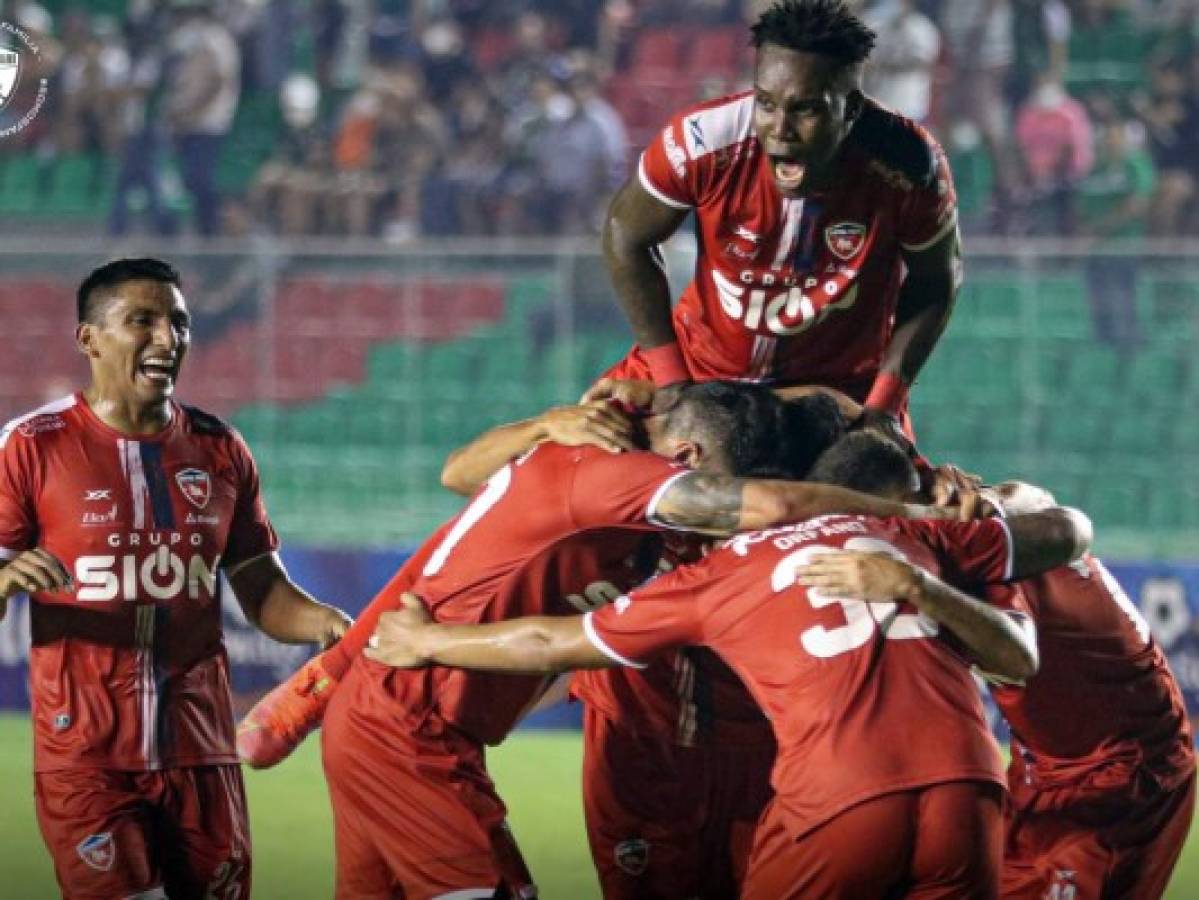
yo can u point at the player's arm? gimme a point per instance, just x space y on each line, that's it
922 311
279 608
29 572
408 638
722 505
599 424
637 223
1003 644
1045 540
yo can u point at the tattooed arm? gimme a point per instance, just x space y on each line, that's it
722 505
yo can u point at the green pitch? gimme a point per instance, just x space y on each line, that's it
537 773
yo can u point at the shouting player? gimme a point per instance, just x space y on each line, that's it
882 739
827 227
559 530
119 508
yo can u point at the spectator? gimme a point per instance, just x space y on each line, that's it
203 84
1053 131
94 66
1114 203
1041 30
292 187
585 89
1170 112
902 67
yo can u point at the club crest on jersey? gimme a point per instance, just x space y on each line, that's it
98 851
845 239
632 856
195 485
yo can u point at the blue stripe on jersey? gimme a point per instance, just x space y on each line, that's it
808 244
156 480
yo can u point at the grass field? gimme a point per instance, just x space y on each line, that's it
537 773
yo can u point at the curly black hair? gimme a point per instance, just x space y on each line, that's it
827 27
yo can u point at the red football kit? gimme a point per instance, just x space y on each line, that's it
559 531
128 673
866 700
803 290
1103 765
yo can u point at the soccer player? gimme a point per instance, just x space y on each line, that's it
119 508
827 227
1102 775
1103 763
887 777
559 530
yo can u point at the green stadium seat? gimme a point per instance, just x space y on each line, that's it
21 188
1062 308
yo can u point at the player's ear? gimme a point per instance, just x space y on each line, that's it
855 100
689 453
85 339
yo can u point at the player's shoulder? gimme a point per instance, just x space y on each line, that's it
50 418
205 424
895 148
716 125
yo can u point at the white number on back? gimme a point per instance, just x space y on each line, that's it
860 617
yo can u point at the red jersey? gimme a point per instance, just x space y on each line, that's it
804 289
128 668
557 532
1104 703
865 699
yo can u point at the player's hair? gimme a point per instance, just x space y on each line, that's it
739 420
808 426
868 462
95 288
827 27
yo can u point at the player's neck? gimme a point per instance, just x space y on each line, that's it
127 416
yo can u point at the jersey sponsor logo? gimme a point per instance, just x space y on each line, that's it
743 245
695 134
845 239
40 424
632 855
674 153
786 312
194 519
100 518
97 495
98 851
161 574
195 485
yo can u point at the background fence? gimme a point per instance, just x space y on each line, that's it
353 370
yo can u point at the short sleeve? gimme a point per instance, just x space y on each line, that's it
665 171
250 533
929 212
665 613
18 518
610 489
969 552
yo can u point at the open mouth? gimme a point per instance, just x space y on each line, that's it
788 173
160 372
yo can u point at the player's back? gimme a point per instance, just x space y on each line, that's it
556 532
1104 692
866 699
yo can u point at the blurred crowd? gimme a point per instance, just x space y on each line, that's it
410 118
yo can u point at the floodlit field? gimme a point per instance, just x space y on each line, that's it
537 773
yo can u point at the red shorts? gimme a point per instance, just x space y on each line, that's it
181 833
943 841
665 821
1118 849
415 814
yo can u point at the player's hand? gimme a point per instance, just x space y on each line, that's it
333 627
32 571
885 424
856 575
628 392
599 424
396 641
